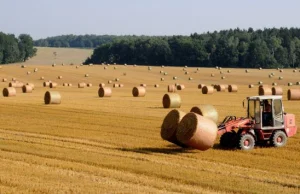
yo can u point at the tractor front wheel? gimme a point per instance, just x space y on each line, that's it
278 139
246 142
228 139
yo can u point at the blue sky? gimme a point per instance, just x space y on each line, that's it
44 18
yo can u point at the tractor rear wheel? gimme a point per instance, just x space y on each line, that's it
278 139
228 139
246 142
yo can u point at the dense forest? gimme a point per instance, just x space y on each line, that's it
14 49
268 48
74 41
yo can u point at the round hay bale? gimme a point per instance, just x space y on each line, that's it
124 73
260 68
200 86
109 81
121 85
104 92
197 131
298 83
27 89
190 78
65 84
77 66
294 70
277 90
143 85
180 87
220 68
262 91
212 75
221 72
53 85
117 79
171 88
207 111
59 77
46 84
69 84
272 74
165 73
232 88
290 84
274 84
247 71
223 77
89 85
28 72
42 78
293 94
139 91
4 80
52 97
31 85
161 72
23 66
280 70
250 86
53 65
15 84
13 79
186 73
174 78
220 88
207 90
86 75
217 67
115 85
169 126
280 78
156 85
101 85
171 100
81 85
260 82
228 71
9 92
162 79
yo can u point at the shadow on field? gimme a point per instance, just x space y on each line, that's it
147 150
156 107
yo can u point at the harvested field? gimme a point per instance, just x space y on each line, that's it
89 144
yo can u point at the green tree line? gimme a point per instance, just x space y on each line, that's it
74 41
267 48
14 49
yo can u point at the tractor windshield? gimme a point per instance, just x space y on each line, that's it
253 110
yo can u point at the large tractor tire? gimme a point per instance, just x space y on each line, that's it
228 140
246 142
278 139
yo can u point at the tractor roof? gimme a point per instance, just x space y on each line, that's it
264 97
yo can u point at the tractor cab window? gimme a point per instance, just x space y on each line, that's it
267 113
253 110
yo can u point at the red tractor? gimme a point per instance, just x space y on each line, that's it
266 122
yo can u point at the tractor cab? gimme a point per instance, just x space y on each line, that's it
266 112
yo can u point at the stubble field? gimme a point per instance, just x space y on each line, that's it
89 144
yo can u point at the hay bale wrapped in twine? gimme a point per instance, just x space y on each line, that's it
27 89
171 100
53 85
207 111
232 88
220 88
169 126
52 97
81 85
264 90
277 90
207 90
9 92
171 88
104 92
139 91
101 85
197 131
46 84
180 87
293 94
31 85
200 86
